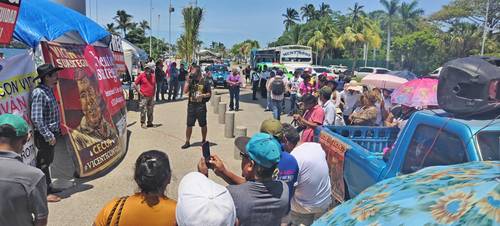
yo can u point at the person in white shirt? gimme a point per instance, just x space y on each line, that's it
294 88
351 96
264 76
255 83
328 106
312 195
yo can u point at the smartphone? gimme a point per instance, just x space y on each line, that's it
205 147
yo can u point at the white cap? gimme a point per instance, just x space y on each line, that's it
150 65
203 202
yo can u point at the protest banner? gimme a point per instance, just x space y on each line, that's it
16 82
335 153
116 47
93 107
9 9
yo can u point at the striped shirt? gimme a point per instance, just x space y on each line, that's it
45 112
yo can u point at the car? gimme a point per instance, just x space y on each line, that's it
436 72
338 69
364 155
219 72
321 69
286 72
364 71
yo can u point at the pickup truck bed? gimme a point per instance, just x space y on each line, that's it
373 139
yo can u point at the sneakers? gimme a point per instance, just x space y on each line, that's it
143 125
150 125
186 145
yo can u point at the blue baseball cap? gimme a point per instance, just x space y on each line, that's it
264 149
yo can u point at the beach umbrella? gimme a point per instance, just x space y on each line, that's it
416 93
408 75
464 194
383 81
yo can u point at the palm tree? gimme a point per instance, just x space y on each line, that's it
410 14
317 42
144 25
112 28
192 20
324 10
356 12
391 8
291 17
362 32
124 21
308 11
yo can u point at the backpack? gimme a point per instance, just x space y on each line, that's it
278 86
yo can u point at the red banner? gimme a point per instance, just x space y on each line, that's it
9 9
92 103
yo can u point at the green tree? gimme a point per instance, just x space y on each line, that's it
420 51
472 10
410 15
192 20
124 21
144 25
324 10
309 12
317 42
291 18
391 7
112 28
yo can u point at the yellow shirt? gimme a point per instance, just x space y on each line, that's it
136 212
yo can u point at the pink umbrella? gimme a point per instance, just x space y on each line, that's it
417 93
383 81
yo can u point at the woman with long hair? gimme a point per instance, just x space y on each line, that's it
150 206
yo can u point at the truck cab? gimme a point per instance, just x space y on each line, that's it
429 138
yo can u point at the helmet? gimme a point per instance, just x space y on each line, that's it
470 86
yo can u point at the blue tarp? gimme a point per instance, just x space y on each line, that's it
42 19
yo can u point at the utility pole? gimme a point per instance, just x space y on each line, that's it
157 43
170 10
486 28
151 27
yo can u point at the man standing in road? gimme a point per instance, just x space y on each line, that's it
199 92
160 77
145 85
23 187
46 120
264 75
173 82
276 87
294 88
255 83
234 83
182 80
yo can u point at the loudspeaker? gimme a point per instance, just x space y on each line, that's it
470 86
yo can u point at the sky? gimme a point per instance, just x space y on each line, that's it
226 21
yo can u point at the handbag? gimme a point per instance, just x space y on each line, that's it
118 205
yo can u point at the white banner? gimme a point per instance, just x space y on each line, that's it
296 53
16 83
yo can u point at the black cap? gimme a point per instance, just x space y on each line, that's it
46 69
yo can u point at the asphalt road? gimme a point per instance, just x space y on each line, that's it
86 197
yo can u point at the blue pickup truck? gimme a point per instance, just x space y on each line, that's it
220 73
357 160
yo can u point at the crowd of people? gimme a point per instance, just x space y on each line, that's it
317 99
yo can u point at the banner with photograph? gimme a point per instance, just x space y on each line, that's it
16 83
116 47
92 103
335 153
9 9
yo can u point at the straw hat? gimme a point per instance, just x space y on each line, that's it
354 86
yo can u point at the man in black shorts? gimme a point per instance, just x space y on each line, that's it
199 92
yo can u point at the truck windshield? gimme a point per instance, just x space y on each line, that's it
489 145
218 68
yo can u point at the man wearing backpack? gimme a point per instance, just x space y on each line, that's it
277 89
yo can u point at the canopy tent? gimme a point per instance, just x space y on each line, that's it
138 53
40 20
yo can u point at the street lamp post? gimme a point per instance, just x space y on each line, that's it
151 25
485 29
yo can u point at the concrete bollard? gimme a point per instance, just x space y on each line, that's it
240 131
229 128
215 101
222 112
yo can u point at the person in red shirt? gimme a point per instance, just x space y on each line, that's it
145 85
313 117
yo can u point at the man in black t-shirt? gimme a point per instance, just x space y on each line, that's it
182 79
199 92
